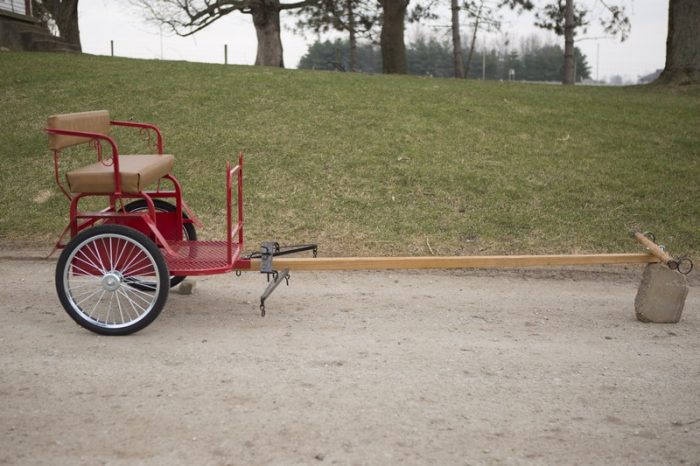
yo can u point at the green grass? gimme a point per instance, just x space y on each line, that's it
375 164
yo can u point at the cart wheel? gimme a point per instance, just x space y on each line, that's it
92 273
188 230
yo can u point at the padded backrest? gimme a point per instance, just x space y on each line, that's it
92 122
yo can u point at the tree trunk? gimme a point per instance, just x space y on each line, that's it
65 13
682 43
456 42
391 38
473 43
266 19
569 42
353 38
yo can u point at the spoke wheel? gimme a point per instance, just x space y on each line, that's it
94 277
189 233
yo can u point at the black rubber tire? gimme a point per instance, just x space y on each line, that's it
85 251
188 231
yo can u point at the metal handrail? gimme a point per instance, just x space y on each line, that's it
143 126
96 136
232 231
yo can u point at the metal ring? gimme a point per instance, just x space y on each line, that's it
685 265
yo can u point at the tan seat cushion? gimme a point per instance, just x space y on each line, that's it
137 172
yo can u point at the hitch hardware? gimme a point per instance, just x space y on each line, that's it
268 250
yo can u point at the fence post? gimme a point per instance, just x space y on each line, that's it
225 54
111 46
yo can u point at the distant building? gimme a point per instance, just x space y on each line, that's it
651 77
19 30
591 82
18 7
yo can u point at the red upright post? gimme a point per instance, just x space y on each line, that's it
240 200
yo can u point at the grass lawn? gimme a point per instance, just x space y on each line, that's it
371 164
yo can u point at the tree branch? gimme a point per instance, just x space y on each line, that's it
185 17
291 6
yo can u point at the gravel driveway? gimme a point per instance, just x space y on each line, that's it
512 367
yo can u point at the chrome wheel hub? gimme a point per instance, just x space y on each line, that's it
112 281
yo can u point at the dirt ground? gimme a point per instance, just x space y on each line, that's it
508 367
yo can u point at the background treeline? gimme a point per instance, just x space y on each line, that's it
428 56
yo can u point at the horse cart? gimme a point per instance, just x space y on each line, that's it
115 271
118 262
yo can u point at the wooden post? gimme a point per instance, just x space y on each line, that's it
454 262
225 54
111 46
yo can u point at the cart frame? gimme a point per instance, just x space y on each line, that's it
135 252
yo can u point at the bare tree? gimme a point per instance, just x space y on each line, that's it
394 14
187 17
356 17
484 16
569 26
682 43
457 41
565 18
391 39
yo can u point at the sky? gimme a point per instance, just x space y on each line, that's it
102 21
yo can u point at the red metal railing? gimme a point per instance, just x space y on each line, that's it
145 127
115 151
82 220
231 230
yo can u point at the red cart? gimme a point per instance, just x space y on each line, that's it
115 271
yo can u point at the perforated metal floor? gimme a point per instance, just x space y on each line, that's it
201 257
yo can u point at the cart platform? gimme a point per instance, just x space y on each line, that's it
202 257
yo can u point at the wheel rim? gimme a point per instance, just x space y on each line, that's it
96 281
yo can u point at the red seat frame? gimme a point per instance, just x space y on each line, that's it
164 228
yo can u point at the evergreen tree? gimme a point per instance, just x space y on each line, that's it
431 57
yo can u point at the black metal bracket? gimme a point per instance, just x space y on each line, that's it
277 279
269 250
